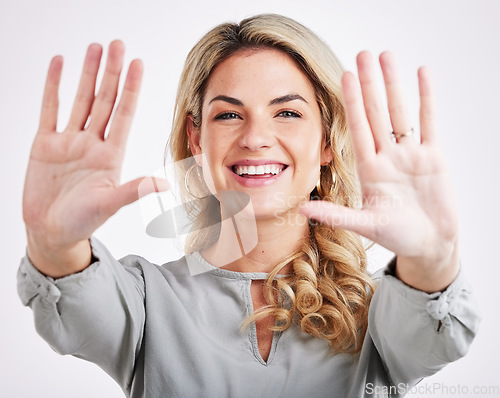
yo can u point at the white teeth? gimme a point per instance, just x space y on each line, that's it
259 170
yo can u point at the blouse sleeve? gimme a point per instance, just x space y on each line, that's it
416 333
97 314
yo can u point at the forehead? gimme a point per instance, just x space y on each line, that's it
265 70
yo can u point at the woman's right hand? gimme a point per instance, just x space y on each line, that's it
73 179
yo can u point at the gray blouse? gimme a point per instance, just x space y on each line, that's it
174 331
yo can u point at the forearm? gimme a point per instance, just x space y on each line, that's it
417 333
97 314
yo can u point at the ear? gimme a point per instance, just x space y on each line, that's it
326 155
193 133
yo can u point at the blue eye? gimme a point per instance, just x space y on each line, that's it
289 114
227 116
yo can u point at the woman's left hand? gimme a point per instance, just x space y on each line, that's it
408 204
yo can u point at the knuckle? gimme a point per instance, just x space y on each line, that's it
397 108
106 97
84 97
373 109
50 102
126 110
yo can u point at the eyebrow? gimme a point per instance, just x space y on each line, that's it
225 98
287 98
276 101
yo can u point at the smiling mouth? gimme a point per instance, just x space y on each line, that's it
260 171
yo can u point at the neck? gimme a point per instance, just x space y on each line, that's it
247 244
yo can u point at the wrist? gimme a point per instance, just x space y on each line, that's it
430 274
57 260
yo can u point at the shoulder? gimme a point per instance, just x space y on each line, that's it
173 273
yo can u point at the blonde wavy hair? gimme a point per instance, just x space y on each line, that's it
329 290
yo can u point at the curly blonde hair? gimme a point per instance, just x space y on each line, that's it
329 290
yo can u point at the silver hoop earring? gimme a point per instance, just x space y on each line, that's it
332 187
186 181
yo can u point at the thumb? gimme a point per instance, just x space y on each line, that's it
337 216
136 189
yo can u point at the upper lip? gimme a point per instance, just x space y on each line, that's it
255 162
258 167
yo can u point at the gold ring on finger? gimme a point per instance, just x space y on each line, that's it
408 133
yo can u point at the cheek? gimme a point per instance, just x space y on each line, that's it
214 153
208 175
311 173
308 161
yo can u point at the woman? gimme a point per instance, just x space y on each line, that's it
262 108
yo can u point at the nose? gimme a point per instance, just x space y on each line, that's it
256 134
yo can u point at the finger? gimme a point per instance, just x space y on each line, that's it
50 102
86 89
341 217
106 97
124 114
374 108
151 184
132 191
362 139
397 110
427 107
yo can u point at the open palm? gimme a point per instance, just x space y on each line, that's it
73 179
407 202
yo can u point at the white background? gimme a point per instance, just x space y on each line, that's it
457 39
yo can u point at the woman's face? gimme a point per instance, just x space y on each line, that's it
261 130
